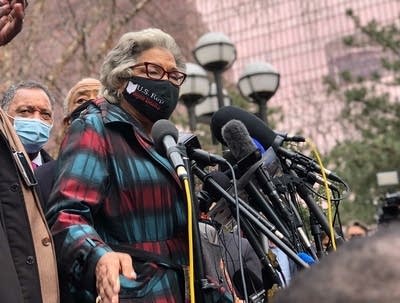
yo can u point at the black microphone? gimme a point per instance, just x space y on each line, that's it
250 214
222 181
246 153
312 177
306 163
208 195
255 126
194 151
267 137
217 185
263 134
165 136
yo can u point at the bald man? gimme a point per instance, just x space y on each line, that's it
83 91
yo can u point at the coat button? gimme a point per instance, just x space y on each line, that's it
46 241
30 260
14 187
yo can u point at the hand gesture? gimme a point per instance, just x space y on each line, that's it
11 20
108 269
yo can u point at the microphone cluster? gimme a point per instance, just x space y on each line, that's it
270 203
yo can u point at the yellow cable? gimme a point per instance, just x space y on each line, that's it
190 236
328 195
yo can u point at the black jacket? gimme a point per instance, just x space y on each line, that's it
45 156
45 178
19 277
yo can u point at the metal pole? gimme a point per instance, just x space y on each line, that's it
218 84
262 105
192 116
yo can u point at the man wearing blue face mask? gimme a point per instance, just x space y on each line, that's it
27 257
29 106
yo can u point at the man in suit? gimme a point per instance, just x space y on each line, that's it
29 106
27 258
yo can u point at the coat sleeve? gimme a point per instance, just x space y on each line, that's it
81 182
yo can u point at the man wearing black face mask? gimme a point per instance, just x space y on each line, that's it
115 196
29 107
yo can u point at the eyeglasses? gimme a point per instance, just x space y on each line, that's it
156 72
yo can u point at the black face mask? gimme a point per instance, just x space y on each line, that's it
155 99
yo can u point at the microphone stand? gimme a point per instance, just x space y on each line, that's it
259 199
319 216
258 221
269 274
269 195
316 232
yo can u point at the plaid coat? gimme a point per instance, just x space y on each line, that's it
112 187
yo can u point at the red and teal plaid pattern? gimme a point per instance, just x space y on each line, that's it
112 187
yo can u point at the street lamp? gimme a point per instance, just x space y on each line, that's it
215 53
194 90
209 106
258 83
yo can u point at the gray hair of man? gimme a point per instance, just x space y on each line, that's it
116 68
10 93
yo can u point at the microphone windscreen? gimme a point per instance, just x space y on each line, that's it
237 138
256 127
160 129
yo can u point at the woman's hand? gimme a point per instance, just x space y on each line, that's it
108 269
11 20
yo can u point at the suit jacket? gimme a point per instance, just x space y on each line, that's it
45 156
45 175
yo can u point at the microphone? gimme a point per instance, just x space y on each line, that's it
217 185
248 212
255 126
208 195
165 136
194 151
312 177
307 163
264 135
246 153
241 145
238 139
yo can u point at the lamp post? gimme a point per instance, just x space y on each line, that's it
258 83
209 106
194 90
215 53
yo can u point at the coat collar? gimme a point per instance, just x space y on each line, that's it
114 115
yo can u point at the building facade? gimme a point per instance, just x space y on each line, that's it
303 41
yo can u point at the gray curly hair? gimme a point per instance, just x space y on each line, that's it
116 67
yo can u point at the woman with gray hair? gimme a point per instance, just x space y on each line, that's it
115 199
